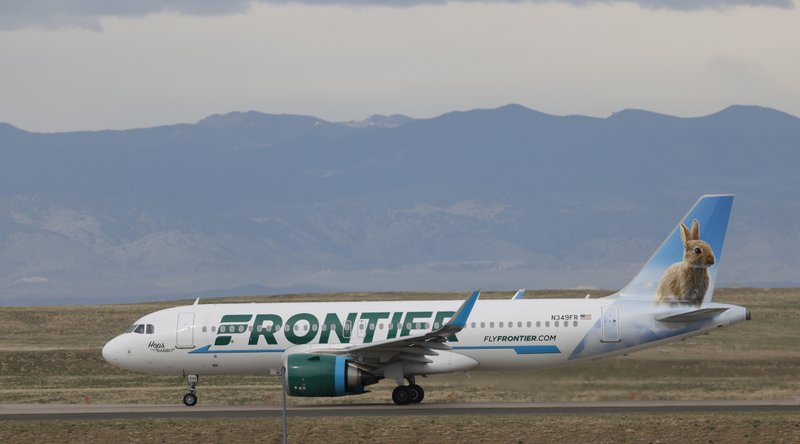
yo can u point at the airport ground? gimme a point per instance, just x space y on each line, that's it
52 355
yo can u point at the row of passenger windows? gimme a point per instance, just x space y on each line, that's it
315 327
529 324
141 329
380 326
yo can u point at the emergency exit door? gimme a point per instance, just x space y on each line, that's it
185 331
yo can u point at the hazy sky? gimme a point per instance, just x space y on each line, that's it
93 64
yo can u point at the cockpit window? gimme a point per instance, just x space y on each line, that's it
130 329
150 329
139 329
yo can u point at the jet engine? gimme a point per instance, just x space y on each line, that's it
325 375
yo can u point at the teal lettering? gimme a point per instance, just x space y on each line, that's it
439 319
293 337
333 323
410 317
395 325
372 319
265 332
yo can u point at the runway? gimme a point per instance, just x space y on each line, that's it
48 412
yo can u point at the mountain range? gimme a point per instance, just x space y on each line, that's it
505 198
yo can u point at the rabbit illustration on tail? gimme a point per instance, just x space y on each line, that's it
686 282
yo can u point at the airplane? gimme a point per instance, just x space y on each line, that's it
339 348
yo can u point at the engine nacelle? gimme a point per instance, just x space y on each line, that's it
325 375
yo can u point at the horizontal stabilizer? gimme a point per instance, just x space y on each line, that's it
694 315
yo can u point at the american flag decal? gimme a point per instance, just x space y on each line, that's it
586 317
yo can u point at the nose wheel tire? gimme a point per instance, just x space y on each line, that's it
190 399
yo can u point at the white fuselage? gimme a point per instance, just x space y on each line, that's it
499 334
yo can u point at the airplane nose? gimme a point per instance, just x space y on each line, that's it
109 352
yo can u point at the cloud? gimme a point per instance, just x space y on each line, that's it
32 280
51 14
87 14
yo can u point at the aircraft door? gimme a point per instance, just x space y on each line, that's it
610 324
185 331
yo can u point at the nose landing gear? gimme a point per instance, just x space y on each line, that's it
190 398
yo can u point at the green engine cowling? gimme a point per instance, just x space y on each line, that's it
325 375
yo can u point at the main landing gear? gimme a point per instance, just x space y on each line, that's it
190 398
408 394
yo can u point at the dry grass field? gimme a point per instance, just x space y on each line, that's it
52 355
595 429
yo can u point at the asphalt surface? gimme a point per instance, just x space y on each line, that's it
46 412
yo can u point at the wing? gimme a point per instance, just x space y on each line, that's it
414 348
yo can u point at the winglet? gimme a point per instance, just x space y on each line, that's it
459 319
519 295
196 301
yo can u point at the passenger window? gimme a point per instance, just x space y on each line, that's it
473 325
204 329
213 329
372 327
538 323
546 323
150 329
139 329
555 324
491 325
574 323
519 324
529 323
483 325
501 324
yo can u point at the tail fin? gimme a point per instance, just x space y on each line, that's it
708 219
